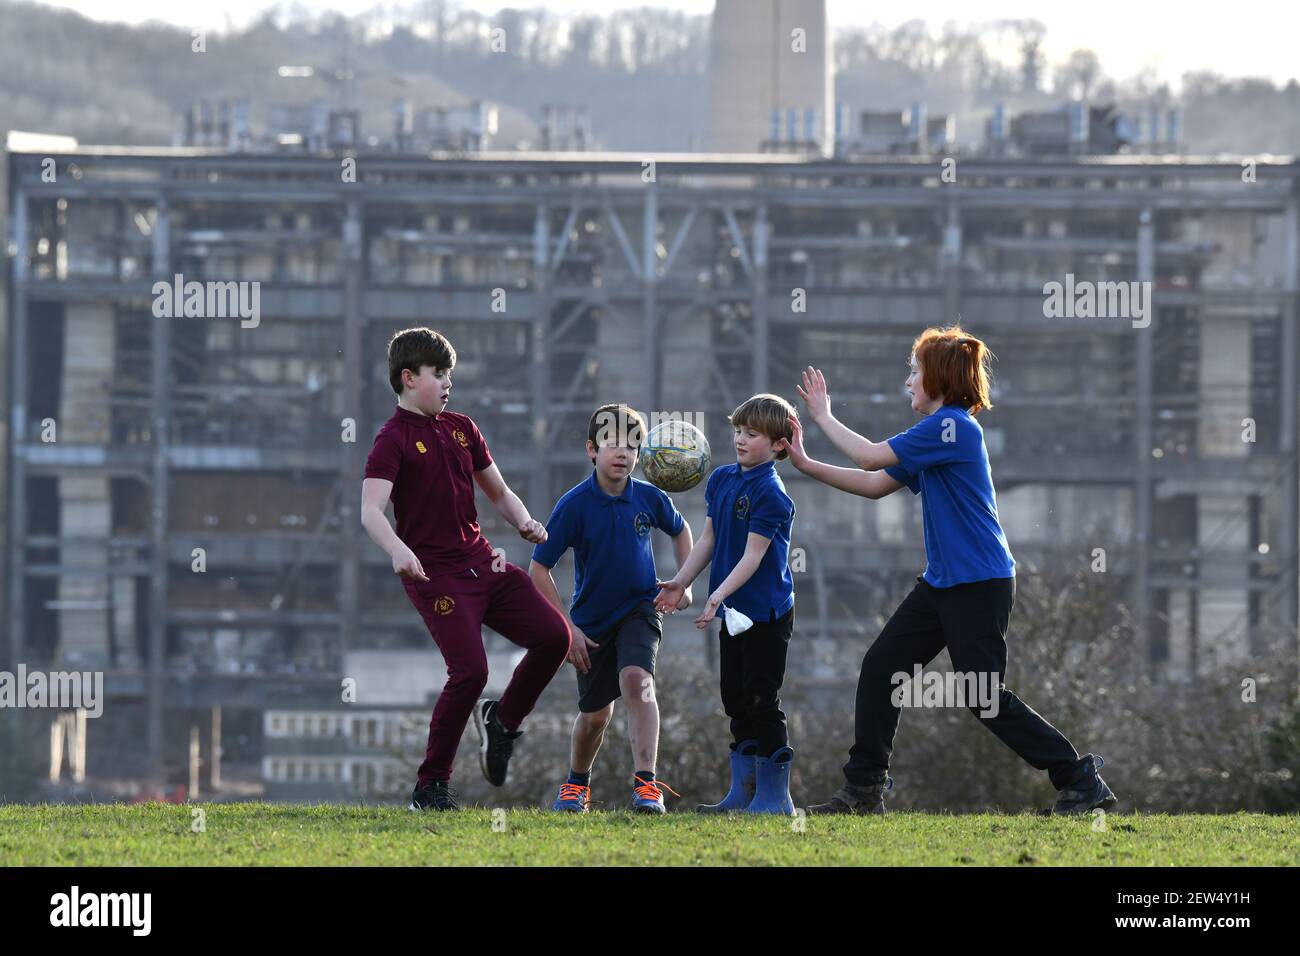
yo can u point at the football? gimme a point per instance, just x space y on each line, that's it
675 456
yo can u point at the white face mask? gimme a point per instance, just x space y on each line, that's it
737 623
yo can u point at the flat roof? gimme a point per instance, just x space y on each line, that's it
39 144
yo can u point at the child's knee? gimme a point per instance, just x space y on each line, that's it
637 683
558 638
877 668
471 678
596 721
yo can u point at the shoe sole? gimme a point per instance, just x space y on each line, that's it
651 811
815 812
1105 803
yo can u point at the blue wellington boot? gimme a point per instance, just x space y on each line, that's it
742 781
772 793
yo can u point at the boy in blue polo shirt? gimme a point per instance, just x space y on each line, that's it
607 521
963 601
747 538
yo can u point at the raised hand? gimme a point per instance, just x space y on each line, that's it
814 394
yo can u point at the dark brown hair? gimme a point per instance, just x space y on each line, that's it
414 349
616 421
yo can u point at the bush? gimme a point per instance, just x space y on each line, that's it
1198 746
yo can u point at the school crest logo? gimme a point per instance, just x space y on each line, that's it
642 522
742 507
460 437
420 446
445 605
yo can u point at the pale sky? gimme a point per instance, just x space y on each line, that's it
1169 37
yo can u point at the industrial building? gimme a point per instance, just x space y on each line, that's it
182 492
771 75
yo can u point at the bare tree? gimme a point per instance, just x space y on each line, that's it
1078 76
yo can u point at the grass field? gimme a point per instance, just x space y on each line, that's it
252 834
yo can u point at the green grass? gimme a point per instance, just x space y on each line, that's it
253 834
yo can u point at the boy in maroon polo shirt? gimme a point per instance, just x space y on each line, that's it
423 460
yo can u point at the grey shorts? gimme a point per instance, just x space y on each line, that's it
632 642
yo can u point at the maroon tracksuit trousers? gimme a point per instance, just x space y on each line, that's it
455 606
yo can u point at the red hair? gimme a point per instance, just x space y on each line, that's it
954 366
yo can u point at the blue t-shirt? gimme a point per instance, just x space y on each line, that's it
942 458
740 502
614 564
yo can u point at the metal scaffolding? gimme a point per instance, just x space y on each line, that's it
534 266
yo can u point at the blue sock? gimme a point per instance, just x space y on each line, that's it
581 779
645 776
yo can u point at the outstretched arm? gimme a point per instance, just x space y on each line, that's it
672 591
868 484
755 547
508 504
865 453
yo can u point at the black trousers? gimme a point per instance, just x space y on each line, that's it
752 666
971 621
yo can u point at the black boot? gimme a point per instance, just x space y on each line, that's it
1086 791
852 799
436 795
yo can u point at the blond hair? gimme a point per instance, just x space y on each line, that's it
768 415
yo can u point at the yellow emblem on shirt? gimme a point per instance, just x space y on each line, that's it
420 445
460 437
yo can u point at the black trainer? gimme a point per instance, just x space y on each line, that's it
438 795
859 801
1086 791
496 744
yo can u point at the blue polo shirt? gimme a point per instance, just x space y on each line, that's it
942 458
614 563
739 502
